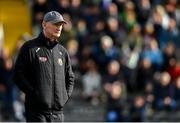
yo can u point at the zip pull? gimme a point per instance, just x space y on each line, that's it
37 49
60 52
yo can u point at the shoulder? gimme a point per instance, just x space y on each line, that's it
63 49
29 44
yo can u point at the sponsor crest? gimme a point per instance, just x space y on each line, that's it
43 59
60 62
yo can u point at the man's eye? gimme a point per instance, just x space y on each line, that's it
58 24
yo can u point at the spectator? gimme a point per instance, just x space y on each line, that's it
137 110
63 6
174 69
75 9
40 7
154 54
7 86
164 93
105 52
91 83
170 33
128 16
177 92
168 55
144 74
115 30
143 11
114 75
116 99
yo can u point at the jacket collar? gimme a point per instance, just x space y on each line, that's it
45 41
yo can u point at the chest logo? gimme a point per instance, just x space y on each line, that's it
43 59
60 62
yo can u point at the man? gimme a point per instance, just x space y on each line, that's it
43 72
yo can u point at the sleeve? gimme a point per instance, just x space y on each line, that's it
21 69
69 76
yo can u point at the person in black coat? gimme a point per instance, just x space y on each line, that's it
43 72
164 93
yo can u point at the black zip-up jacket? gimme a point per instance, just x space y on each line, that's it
43 72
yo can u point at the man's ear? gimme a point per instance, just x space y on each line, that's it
43 24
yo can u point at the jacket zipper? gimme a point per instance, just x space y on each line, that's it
53 79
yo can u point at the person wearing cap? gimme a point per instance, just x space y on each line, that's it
43 72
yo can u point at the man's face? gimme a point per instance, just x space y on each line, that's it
53 30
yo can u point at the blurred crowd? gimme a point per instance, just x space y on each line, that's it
124 54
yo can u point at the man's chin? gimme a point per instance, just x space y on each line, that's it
57 35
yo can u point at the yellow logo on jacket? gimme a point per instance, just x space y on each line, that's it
60 62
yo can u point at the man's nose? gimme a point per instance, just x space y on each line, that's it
59 27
